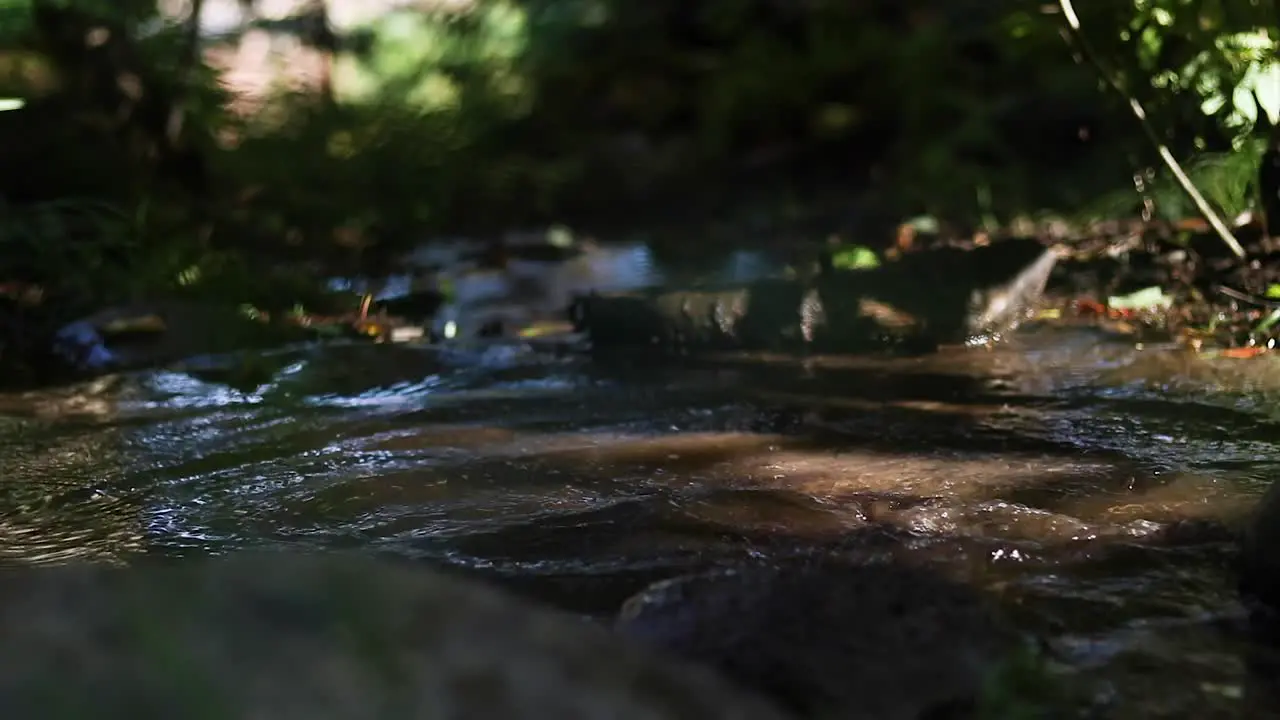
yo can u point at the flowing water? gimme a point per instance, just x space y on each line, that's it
1066 471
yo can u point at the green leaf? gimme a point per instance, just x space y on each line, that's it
1246 108
1146 299
1213 103
1269 321
1265 83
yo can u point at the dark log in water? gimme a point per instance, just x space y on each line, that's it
942 296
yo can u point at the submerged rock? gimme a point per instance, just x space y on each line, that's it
321 637
881 642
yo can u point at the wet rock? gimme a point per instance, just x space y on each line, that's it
290 636
417 306
466 289
1259 560
873 641
348 369
152 334
533 287
1195 531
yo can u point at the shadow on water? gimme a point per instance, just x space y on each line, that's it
1080 479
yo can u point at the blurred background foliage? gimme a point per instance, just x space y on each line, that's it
146 152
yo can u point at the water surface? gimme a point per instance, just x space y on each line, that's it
1066 471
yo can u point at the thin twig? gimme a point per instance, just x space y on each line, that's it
1073 22
1246 297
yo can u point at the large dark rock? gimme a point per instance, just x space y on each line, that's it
880 642
1259 560
1258 577
285 636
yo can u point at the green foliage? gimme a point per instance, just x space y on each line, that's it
1223 52
441 62
85 252
1222 56
504 113
39 242
382 172
1226 179
1207 75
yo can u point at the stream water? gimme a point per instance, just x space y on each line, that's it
1066 471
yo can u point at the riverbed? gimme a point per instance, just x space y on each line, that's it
1088 481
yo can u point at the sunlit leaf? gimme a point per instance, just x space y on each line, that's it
1245 107
560 236
189 276
1265 83
856 257
1152 298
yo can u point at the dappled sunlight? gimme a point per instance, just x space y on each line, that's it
577 296
66 495
51 540
859 442
579 482
1178 496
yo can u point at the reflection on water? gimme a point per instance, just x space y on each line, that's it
1049 471
64 495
